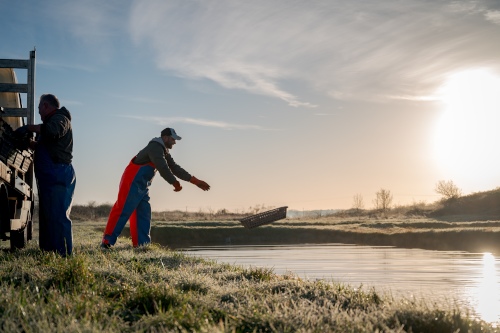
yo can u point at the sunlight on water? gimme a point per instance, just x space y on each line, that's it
487 292
445 277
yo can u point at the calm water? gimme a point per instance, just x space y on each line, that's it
469 279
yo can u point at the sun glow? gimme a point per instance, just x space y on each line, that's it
467 135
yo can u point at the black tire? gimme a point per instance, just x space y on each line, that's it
19 238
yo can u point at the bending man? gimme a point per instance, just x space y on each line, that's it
133 194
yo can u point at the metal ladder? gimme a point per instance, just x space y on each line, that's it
26 88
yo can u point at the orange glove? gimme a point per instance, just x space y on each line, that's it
177 186
200 183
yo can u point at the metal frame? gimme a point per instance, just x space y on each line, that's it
21 175
27 88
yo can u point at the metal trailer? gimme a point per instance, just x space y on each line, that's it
17 200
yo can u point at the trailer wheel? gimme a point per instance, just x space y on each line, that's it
19 238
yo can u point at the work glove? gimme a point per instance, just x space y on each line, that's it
200 183
21 132
177 186
22 137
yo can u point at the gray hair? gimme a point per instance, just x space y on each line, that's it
50 99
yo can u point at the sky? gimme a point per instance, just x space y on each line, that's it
304 104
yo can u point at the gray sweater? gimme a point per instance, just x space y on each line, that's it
158 154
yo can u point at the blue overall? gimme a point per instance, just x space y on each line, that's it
56 185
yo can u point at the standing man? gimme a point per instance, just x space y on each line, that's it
133 193
54 174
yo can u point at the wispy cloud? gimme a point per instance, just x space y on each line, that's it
164 121
92 20
348 50
98 25
358 50
232 43
138 99
60 66
324 114
493 16
67 102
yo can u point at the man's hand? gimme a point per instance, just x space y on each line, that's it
177 186
21 132
200 183
22 137
34 128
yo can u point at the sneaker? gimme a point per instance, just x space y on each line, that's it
105 246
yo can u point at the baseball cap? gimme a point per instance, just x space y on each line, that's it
170 132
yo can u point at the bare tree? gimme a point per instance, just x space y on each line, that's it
448 190
383 200
91 205
357 202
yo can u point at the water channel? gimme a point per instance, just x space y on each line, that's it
467 279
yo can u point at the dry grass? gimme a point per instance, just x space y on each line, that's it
153 289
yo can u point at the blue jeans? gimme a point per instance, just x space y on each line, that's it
56 185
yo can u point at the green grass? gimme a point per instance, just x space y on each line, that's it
153 289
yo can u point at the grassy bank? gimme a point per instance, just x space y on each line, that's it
153 289
423 233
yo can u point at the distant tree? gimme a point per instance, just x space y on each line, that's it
448 190
91 207
383 200
222 211
357 202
